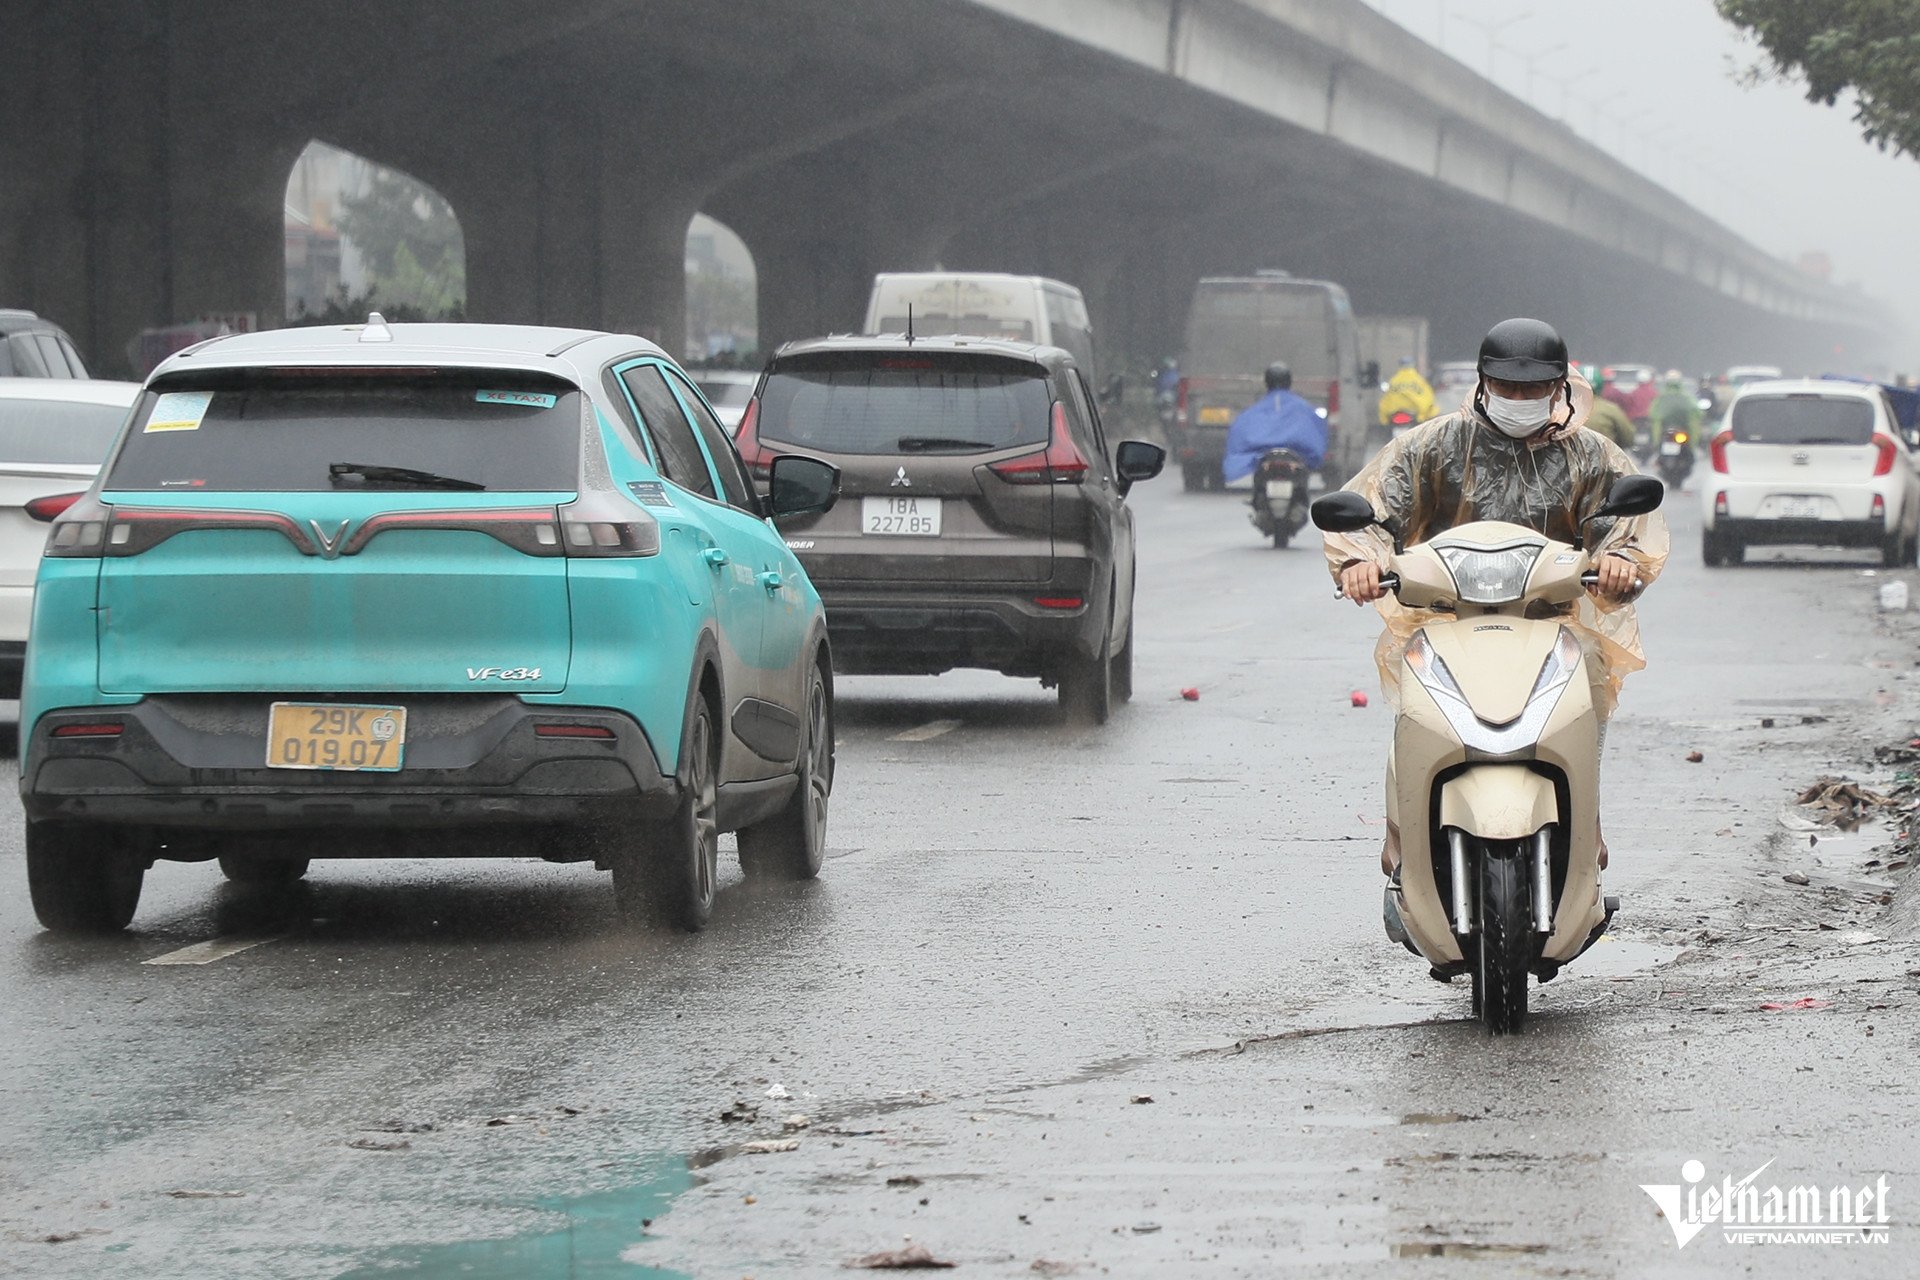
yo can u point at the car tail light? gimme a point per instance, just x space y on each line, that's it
599 733
1061 462
1720 503
1333 398
1718 448
52 505
758 459
1879 511
1059 602
98 729
1883 464
600 525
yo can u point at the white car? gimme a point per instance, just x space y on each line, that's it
54 436
1808 462
728 393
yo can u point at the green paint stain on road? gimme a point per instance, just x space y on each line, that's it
596 1231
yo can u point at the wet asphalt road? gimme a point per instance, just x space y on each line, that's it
463 1068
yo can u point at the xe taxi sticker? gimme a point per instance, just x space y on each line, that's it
179 411
526 399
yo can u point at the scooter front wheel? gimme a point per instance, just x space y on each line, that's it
1506 943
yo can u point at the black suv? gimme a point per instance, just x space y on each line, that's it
983 518
34 348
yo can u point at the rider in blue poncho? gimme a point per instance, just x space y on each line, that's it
1278 420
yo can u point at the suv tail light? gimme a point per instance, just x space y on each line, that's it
600 525
1061 462
758 459
1883 465
1718 449
52 505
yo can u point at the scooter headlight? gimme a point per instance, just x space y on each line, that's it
1491 577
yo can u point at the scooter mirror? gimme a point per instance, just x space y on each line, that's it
1632 496
1342 511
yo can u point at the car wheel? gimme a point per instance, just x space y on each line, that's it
1893 550
84 879
669 877
790 844
1086 684
262 870
1192 478
1120 668
1713 551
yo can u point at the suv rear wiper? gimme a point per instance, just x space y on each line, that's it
927 444
375 474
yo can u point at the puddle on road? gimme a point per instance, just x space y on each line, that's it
602 1235
1613 957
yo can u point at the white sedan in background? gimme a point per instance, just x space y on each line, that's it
54 436
1810 462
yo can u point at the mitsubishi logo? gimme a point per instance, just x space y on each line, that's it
329 547
900 480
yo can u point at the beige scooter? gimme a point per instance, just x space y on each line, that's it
1493 781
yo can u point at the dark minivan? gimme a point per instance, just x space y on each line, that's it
983 518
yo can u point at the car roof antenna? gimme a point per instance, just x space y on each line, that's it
909 324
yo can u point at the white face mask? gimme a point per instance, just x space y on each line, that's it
1520 418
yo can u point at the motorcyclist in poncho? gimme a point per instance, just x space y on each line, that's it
1518 451
1278 420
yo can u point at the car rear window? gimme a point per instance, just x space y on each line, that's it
275 433
61 432
1240 329
902 404
1802 419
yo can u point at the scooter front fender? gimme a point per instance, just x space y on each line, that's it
1498 802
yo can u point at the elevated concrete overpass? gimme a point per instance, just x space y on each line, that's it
1127 145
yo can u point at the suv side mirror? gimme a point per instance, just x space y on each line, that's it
800 486
1136 460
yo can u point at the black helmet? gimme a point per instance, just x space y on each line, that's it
1522 350
1279 376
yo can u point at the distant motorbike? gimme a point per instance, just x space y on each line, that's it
1493 781
1282 489
1676 456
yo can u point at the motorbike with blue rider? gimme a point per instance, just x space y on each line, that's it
1275 449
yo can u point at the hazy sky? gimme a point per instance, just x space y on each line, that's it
1787 174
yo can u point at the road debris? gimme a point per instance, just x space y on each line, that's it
1796 877
1191 695
1841 802
1792 1006
740 1113
770 1146
1358 698
778 1092
1140 1099
912 1257
204 1193
796 1122
1695 757
380 1144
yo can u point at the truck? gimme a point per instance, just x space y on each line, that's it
1237 326
1392 341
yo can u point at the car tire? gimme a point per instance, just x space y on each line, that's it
263 870
1086 685
84 879
1192 477
1893 550
666 876
791 844
1120 668
1713 551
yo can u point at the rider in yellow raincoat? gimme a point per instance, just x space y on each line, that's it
1517 452
1407 391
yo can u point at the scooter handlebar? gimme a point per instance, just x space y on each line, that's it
1388 582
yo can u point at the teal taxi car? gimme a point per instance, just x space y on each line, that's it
424 590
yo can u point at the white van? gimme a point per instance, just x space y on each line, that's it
985 305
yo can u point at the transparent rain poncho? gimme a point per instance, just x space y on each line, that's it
1459 468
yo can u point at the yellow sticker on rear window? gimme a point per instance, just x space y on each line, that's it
179 411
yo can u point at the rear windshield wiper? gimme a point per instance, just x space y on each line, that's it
929 444
373 473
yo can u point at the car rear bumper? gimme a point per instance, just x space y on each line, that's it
196 761
1819 533
876 631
